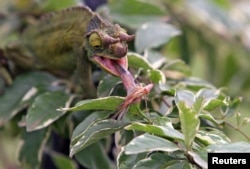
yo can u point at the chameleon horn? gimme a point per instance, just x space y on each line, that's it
110 40
125 37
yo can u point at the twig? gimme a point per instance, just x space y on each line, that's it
237 129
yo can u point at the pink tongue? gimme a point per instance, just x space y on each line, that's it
127 79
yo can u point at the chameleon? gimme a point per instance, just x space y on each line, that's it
69 40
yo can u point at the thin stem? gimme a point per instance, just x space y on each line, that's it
237 129
142 114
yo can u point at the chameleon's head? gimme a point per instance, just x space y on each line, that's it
106 44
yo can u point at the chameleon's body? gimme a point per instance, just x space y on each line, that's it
62 41
49 43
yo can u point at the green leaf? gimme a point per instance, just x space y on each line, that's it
29 98
30 153
56 5
177 69
155 58
238 147
199 158
208 94
123 137
104 103
222 3
212 137
94 157
155 160
145 39
189 123
130 7
95 132
210 105
13 96
43 110
180 164
163 121
195 83
210 98
138 61
107 85
61 161
164 131
197 106
232 106
186 97
210 118
156 76
148 143
87 122
31 94
133 13
166 90
128 161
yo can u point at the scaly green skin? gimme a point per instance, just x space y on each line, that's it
60 41
51 42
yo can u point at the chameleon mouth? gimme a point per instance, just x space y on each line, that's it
110 65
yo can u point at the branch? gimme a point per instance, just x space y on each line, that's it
237 129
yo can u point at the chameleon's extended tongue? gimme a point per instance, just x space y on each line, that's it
127 79
135 92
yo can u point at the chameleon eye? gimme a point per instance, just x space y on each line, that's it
95 40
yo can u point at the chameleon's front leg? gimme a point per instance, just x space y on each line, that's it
85 75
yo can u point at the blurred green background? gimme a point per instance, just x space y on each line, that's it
214 41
